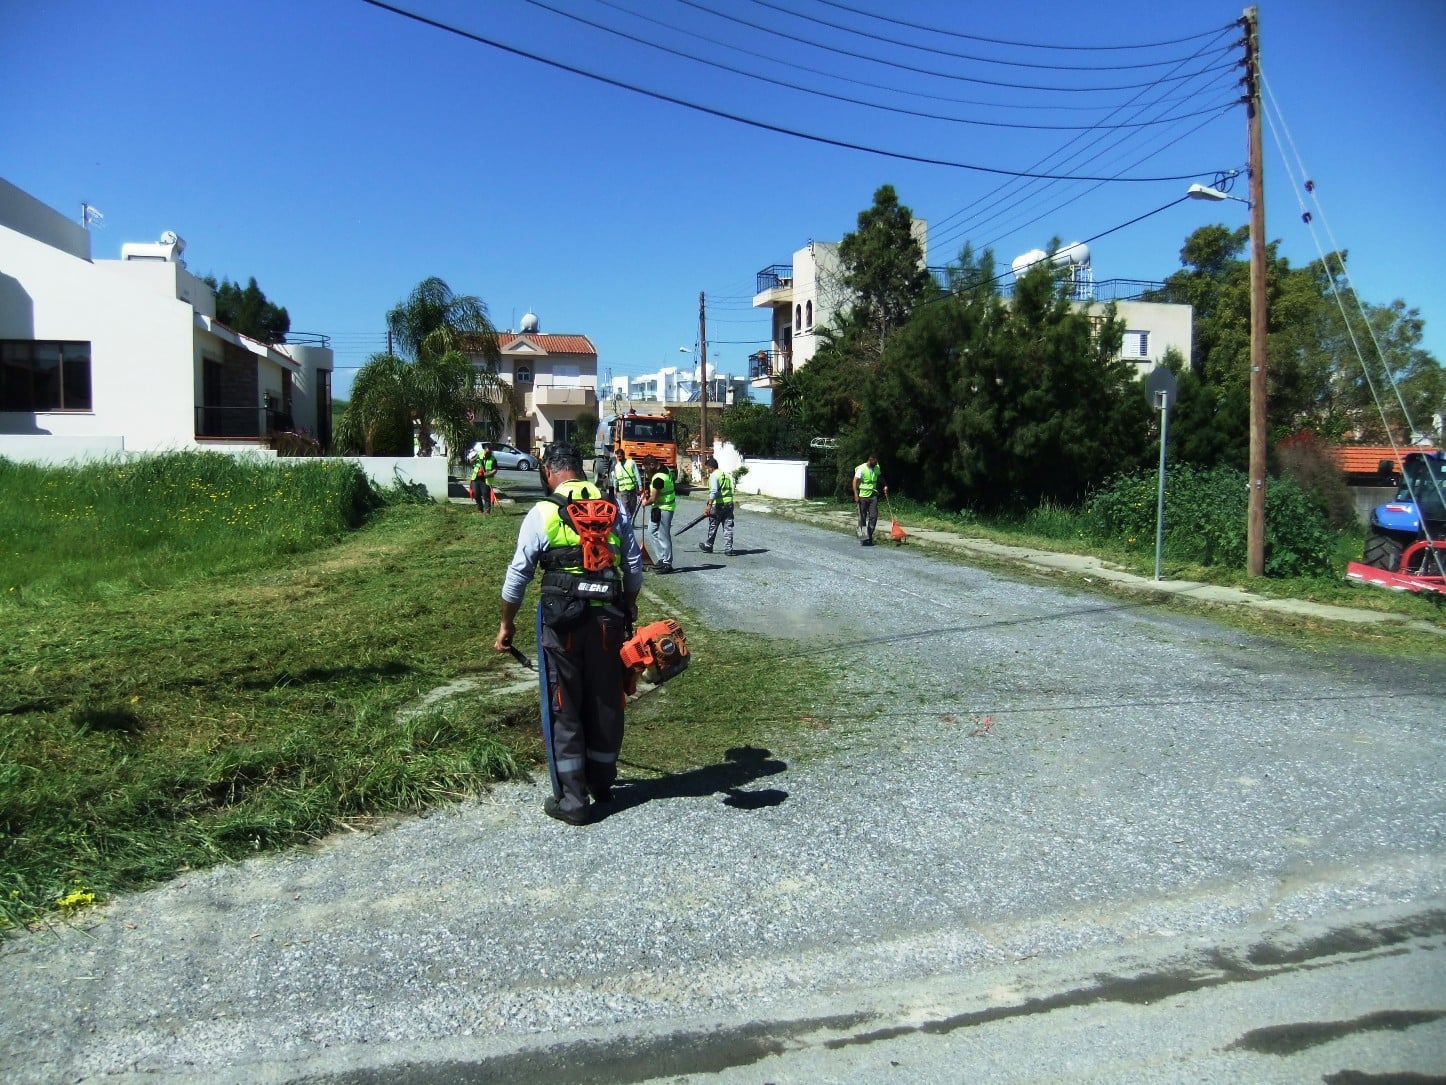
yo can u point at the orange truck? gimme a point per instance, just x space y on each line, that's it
648 438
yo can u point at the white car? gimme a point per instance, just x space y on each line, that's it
507 456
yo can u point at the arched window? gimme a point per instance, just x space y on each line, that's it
808 323
798 316
524 374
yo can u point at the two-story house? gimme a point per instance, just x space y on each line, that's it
553 378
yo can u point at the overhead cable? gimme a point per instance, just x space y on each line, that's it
480 39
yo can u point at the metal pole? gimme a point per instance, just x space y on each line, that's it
1255 522
1164 400
703 374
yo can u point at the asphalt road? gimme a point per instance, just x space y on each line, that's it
1041 836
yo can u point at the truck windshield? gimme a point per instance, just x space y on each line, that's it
648 429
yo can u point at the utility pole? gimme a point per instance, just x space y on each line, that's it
1255 524
703 375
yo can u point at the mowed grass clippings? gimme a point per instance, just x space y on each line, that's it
171 722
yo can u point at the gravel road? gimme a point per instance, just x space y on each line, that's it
1019 775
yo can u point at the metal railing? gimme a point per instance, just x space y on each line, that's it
769 363
771 278
246 423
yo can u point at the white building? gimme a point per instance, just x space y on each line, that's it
674 386
553 379
100 356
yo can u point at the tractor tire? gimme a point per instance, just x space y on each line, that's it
1383 552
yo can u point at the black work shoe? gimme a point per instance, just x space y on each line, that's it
728 553
705 548
553 810
663 567
603 795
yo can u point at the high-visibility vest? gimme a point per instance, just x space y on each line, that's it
561 560
668 502
725 489
628 479
868 478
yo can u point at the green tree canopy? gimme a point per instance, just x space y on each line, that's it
433 382
883 265
982 403
248 311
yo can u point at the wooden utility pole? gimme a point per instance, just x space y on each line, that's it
703 375
1255 524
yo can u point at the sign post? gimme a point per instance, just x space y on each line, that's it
1160 387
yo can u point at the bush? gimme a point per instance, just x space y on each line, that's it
1310 463
1205 519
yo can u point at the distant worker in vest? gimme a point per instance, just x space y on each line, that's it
482 475
719 509
592 570
628 483
867 479
662 499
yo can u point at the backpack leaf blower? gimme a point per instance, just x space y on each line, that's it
657 652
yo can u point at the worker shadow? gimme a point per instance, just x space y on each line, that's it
739 552
696 568
741 766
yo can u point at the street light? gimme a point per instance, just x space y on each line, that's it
1205 192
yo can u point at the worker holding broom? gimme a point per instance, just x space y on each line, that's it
868 477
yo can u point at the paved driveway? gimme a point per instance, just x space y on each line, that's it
1030 805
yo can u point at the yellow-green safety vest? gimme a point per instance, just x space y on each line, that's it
868 479
725 489
669 501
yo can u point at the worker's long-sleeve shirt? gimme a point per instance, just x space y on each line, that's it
532 541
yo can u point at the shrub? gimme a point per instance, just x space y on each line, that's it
1205 519
1310 463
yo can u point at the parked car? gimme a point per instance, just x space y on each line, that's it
508 457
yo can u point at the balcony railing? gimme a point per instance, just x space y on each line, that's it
243 423
766 364
771 278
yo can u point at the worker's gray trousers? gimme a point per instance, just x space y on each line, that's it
868 517
585 699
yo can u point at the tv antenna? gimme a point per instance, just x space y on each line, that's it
88 215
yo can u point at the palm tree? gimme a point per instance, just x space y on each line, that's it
432 379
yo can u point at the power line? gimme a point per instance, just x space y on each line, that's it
762 125
1017 44
841 97
796 40
794 64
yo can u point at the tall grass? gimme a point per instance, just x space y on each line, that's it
70 532
256 693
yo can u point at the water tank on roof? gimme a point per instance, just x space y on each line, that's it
1020 264
530 323
1076 254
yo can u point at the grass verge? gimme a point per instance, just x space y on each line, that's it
177 720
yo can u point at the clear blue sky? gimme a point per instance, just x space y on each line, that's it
340 153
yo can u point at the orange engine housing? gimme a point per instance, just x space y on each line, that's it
657 651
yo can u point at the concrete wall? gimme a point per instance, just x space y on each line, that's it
386 471
774 478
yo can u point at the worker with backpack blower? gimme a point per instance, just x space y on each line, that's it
592 569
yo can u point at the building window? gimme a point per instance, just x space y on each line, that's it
37 375
1135 345
524 374
564 429
808 316
798 316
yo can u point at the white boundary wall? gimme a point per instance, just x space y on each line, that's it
384 471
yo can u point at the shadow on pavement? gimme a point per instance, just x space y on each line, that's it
742 765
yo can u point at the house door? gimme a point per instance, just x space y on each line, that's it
524 435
